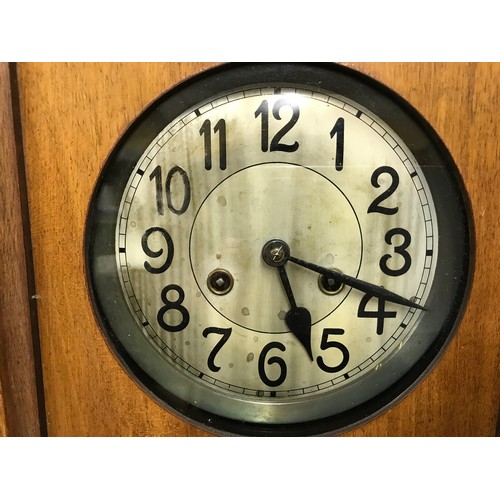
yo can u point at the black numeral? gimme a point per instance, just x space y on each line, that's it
173 305
375 205
380 314
187 190
272 360
225 332
206 133
276 145
338 131
399 249
332 344
156 174
157 253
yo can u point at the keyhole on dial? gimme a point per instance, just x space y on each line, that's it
328 285
220 281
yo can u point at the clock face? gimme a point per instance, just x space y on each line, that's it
270 249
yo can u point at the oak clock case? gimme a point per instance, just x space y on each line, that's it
279 249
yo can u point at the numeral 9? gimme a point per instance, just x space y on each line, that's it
145 243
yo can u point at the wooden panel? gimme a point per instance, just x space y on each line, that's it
72 116
18 394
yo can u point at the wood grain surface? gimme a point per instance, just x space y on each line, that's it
73 114
18 394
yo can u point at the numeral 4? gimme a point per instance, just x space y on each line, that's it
380 314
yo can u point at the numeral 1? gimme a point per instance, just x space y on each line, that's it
338 130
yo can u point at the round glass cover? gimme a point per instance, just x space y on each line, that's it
279 249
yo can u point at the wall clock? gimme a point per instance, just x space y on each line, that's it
279 249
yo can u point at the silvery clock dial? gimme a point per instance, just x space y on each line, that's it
279 249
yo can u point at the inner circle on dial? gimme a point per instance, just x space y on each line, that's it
273 201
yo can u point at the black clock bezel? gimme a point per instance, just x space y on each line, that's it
449 193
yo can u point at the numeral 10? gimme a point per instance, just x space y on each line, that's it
162 194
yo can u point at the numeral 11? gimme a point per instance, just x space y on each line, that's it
206 132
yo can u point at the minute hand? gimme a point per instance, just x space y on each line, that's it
375 290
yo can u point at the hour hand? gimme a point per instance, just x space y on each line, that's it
275 253
298 319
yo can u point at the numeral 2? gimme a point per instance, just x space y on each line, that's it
375 205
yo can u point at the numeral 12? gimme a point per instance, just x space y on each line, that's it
276 144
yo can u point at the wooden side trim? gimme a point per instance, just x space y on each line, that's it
22 411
